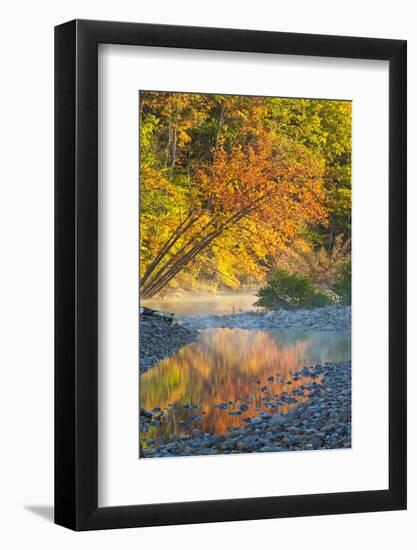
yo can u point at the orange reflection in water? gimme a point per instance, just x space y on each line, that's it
233 366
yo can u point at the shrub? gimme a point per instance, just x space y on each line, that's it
342 285
286 290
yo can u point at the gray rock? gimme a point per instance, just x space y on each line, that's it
277 419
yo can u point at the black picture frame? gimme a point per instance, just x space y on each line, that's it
76 272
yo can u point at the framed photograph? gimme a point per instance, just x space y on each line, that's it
230 244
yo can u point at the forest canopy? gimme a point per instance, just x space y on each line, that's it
234 187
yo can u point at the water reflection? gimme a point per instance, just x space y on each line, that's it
251 371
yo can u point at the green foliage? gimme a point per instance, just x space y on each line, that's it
286 290
342 285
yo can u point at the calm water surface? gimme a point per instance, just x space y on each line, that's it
253 368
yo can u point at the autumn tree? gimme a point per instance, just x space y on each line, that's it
325 128
269 187
228 183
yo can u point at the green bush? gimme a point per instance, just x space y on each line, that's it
342 285
286 290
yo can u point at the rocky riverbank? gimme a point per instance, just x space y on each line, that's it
329 319
323 421
160 336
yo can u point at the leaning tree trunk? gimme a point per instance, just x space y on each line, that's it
156 280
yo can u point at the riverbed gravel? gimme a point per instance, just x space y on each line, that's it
321 422
333 318
159 338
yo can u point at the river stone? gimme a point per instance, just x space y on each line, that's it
277 419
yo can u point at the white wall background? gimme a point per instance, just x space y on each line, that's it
26 299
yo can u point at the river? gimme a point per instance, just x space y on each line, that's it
229 375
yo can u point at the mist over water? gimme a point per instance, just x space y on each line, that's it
205 304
